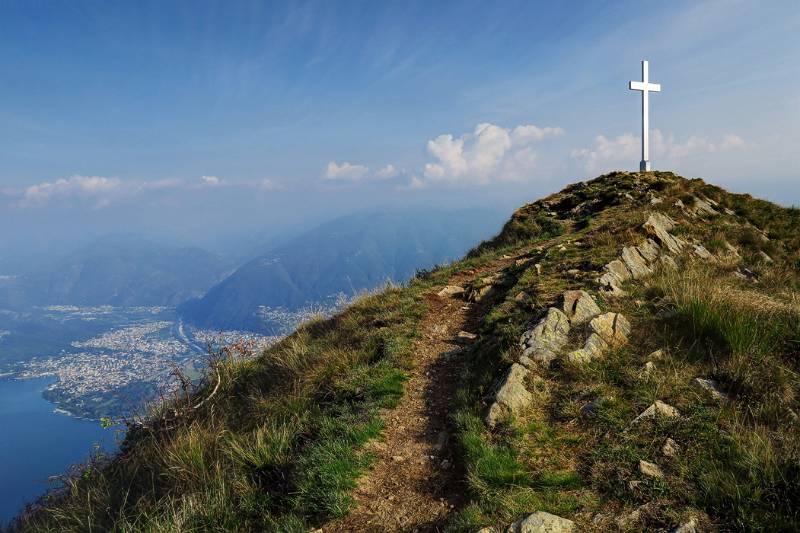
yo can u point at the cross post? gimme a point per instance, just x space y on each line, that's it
645 86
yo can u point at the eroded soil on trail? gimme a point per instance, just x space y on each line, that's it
413 485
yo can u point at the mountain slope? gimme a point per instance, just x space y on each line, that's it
493 390
342 257
119 271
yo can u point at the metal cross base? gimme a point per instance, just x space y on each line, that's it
644 166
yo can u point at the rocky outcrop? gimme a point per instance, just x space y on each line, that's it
542 343
635 262
659 226
512 396
607 330
541 522
579 307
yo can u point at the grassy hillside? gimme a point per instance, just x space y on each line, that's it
625 439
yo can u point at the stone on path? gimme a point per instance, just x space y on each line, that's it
542 343
659 225
650 469
709 387
512 396
452 291
657 409
541 522
579 306
465 337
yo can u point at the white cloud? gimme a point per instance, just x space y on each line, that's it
211 181
96 187
345 171
624 151
387 172
489 153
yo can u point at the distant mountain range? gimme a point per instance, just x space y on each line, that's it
344 256
119 270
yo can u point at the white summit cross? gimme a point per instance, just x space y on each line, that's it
645 86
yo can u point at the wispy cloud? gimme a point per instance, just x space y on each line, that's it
345 171
98 188
624 150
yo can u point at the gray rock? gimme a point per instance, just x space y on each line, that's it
618 269
658 409
542 343
579 306
709 387
511 397
659 225
541 522
650 469
764 256
613 328
635 263
702 207
590 409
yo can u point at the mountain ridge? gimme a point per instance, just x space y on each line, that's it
621 356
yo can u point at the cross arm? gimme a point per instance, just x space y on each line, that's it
641 86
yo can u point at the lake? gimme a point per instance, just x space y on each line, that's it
36 443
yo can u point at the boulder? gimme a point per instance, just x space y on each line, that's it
710 388
579 306
658 409
613 328
541 522
452 291
618 269
635 263
511 397
542 342
659 225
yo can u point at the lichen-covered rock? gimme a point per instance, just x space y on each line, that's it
579 306
657 409
670 448
618 269
541 343
511 397
541 522
613 328
659 225
635 263
592 348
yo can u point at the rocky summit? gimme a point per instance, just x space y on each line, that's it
623 356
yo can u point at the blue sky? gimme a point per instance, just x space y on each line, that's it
204 118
